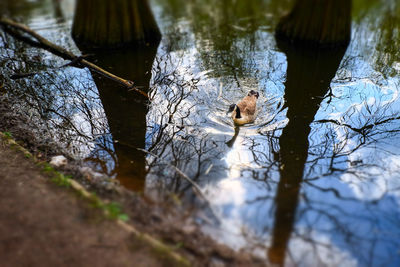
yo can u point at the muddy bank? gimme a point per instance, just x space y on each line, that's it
46 225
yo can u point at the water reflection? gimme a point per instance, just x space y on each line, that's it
308 78
315 181
126 115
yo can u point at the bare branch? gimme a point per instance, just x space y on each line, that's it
62 52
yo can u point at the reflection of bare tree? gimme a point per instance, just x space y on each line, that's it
20 8
387 54
53 98
226 33
173 135
332 150
309 74
58 13
339 145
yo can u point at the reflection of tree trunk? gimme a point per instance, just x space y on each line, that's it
116 23
58 14
318 22
309 74
126 111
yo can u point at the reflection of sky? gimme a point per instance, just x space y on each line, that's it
346 210
348 213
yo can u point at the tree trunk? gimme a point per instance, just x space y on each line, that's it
112 24
317 22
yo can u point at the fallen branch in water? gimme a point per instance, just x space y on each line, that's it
13 27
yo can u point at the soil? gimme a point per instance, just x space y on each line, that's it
42 224
45 225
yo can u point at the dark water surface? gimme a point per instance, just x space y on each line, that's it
315 181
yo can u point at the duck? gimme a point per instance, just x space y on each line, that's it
244 111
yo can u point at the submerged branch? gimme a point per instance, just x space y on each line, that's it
39 40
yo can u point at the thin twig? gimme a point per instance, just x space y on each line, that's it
65 54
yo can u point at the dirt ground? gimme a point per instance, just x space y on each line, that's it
42 224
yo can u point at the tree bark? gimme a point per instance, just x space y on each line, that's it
104 24
317 22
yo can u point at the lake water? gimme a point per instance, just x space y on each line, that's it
314 181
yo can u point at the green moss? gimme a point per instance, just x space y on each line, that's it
123 217
164 254
47 168
113 211
61 181
7 134
56 177
179 245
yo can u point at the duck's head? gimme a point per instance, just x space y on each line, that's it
253 93
231 108
235 109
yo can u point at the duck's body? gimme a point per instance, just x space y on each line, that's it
244 111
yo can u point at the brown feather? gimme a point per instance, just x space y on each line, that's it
248 105
244 111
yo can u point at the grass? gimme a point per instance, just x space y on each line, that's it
112 210
56 177
61 180
8 134
9 139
